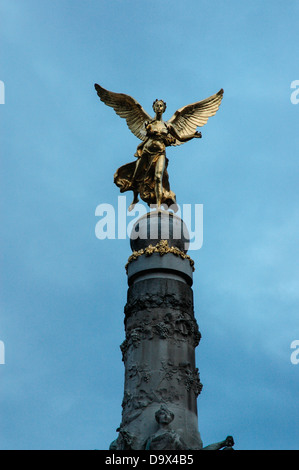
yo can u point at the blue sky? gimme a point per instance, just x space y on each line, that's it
63 290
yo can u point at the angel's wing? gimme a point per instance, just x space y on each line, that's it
126 107
185 120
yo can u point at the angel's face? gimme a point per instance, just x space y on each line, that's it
159 107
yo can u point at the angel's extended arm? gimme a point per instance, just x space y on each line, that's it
185 138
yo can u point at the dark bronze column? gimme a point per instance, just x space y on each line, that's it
161 378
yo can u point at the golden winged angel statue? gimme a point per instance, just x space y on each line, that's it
147 176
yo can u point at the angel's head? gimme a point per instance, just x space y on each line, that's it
159 106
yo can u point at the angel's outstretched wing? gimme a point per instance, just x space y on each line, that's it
185 120
126 107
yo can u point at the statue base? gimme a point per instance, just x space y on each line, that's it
162 383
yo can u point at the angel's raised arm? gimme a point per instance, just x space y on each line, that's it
126 107
185 138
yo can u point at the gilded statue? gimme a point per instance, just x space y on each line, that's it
148 176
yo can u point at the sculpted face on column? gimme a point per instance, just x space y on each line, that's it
165 438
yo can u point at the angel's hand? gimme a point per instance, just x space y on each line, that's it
198 135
